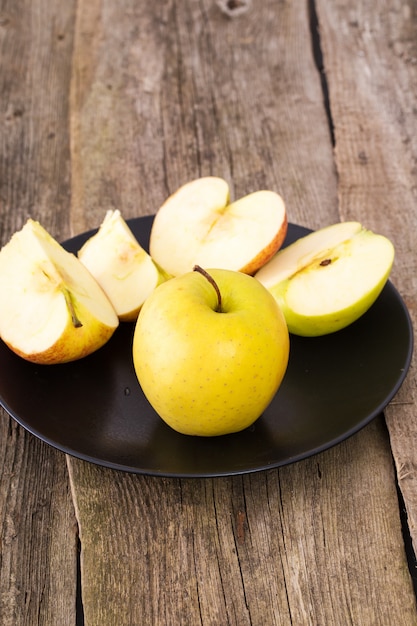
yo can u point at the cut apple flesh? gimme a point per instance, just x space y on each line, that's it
198 226
52 310
120 265
330 278
302 253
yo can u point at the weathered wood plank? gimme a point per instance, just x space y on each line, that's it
309 544
160 95
36 46
37 524
370 53
164 94
38 558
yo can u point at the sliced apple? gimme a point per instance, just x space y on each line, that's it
52 309
328 279
123 269
198 226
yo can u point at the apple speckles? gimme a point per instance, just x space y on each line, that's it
210 374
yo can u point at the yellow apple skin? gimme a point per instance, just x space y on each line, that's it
205 372
334 286
72 343
123 269
53 309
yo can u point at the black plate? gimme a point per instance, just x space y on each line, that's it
95 410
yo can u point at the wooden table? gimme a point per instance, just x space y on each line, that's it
114 105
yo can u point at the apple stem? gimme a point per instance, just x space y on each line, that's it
75 319
212 282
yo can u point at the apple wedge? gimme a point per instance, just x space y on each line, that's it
52 310
198 226
120 265
328 279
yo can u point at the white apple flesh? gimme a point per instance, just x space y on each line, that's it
328 279
198 225
52 310
210 370
123 269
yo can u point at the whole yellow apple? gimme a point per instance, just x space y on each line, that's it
210 351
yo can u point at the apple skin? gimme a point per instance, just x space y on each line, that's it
205 372
72 344
198 225
328 279
123 269
53 309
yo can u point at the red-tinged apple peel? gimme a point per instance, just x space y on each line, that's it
53 310
198 225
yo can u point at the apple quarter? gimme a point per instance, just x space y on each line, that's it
123 269
53 310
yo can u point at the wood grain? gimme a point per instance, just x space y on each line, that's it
163 95
376 159
314 543
36 47
114 105
160 95
37 525
38 558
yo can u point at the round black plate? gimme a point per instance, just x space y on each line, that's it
94 409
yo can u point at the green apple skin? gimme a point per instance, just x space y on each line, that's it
337 285
206 372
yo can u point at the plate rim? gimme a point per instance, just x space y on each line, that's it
103 462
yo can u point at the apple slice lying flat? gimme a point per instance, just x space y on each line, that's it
52 310
123 269
326 280
198 226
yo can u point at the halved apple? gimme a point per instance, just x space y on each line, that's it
52 309
328 279
123 269
198 226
